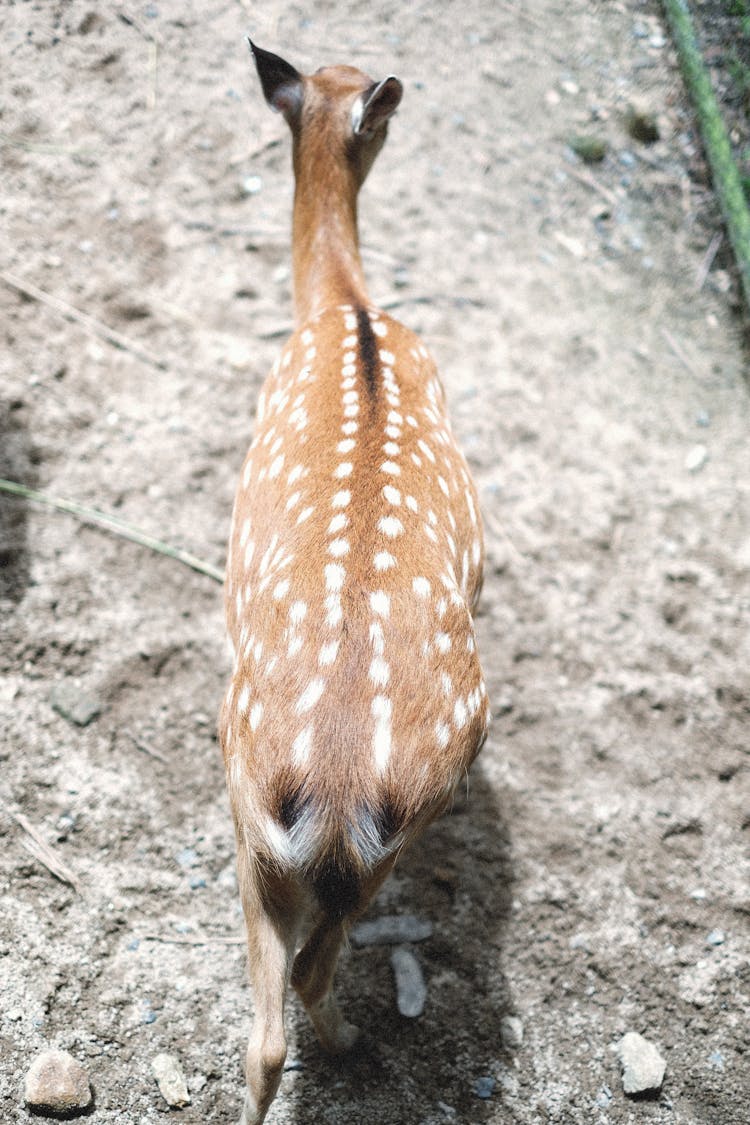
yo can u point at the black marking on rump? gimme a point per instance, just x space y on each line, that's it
368 350
291 807
388 821
338 887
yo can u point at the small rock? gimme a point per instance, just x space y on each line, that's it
641 123
484 1086
696 458
251 185
642 1065
77 706
171 1080
603 1097
411 991
392 929
716 937
511 1032
57 1082
188 857
716 1060
591 150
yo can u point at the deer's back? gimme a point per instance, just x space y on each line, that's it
355 560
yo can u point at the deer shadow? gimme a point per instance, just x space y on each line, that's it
459 875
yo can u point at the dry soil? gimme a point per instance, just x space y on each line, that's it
594 879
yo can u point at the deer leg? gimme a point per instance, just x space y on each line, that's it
314 968
271 941
312 977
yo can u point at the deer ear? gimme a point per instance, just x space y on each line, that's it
282 84
373 108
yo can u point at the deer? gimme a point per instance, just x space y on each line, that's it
357 700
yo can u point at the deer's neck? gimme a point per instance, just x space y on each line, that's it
327 266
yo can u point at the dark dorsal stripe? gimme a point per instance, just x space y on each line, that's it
368 350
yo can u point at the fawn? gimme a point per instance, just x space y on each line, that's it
355 560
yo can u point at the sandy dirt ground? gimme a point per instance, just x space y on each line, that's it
594 880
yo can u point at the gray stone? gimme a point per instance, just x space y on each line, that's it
74 704
171 1080
642 1065
591 150
391 929
484 1087
55 1081
411 990
696 458
511 1032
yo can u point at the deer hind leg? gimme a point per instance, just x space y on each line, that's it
312 977
271 938
314 968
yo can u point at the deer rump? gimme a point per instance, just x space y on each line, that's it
331 830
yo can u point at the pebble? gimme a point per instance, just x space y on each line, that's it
251 185
603 1097
641 123
716 937
411 990
642 1065
171 1080
391 929
77 706
55 1081
591 150
696 458
483 1087
511 1032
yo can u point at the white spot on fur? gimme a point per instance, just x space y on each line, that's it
381 740
384 560
380 673
297 612
302 746
442 642
380 603
421 586
390 526
328 653
310 695
338 548
335 575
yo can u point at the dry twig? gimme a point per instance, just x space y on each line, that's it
590 182
37 846
144 746
708 260
89 323
680 353
192 939
113 524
